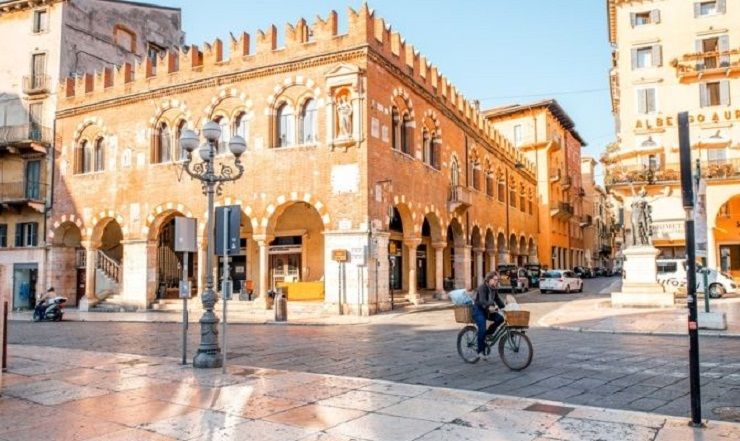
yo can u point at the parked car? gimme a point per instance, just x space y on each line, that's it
512 278
583 272
534 273
600 271
672 275
562 281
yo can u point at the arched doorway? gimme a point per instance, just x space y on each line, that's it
395 251
169 264
296 251
476 263
503 255
523 251
67 262
532 251
727 238
490 254
513 249
455 267
107 241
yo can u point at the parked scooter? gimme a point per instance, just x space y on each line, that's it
50 310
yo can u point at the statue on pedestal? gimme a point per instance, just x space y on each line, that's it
642 221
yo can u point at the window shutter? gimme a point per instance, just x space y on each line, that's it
657 55
697 9
721 6
641 101
655 16
699 45
634 59
633 19
19 235
650 95
703 95
724 93
724 46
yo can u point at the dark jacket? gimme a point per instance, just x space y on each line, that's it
486 296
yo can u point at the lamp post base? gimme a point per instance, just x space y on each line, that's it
208 355
207 360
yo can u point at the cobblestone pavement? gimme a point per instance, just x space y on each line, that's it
635 372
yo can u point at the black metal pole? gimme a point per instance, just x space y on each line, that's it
5 336
687 193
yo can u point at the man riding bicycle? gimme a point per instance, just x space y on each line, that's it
486 296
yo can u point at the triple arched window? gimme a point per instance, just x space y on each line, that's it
300 128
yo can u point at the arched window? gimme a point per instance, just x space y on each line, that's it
241 126
223 141
308 123
489 184
83 158
501 188
99 155
522 199
395 129
285 126
531 203
180 153
475 167
407 134
512 194
435 155
426 154
162 144
455 172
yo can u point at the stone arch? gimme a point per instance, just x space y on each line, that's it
101 220
431 122
157 216
476 237
513 245
66 259
61 220
280 203
532 247
523 249
279 91
293 91
435 225
231 102
401 99
172 112
457 255
84 127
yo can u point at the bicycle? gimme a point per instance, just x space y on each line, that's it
514 347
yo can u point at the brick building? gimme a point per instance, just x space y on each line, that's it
355 142
45 41
545 133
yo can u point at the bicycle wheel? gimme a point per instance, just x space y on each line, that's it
515 350
467 344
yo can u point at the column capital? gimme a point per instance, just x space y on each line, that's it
262 238
438 245
412 242
478 250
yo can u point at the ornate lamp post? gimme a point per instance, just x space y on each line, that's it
208 355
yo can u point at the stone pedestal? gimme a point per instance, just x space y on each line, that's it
640 285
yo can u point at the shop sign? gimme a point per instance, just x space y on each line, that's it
671 229
339 255
694 118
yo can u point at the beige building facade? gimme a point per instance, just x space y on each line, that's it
356 144
671 56
45 41
546 135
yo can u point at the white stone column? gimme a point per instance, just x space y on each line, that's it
411 245
379 276
467 258
503 256
137 278
439 253
90 254
263 280
478 252
491 260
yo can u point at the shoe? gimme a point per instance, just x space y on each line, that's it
483 356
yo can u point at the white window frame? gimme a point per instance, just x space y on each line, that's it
44 25
649 51
655 100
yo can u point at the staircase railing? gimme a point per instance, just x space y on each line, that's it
108 266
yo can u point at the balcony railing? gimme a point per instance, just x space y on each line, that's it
21 192
25 134
713 170
36 84
702 64
459 197
562 210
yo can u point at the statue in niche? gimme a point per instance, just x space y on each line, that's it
642 221
344 117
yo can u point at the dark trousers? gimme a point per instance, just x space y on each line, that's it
480 316
40 309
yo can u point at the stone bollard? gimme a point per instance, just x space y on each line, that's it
281 307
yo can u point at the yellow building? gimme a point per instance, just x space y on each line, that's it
547 136
671 56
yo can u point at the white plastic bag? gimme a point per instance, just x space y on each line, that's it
460 297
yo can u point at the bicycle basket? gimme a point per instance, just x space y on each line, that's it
464 314
517 319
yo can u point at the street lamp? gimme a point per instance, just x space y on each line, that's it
208 355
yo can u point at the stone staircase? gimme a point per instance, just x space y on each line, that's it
400 298
107 285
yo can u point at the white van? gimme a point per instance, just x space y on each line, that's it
672 275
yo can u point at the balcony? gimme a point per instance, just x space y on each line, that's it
562 210
22 193
36 84
711 170
459 198
555 174
707 65
586 220
31 136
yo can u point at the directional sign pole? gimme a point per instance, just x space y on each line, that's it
687 193
185 308
225 283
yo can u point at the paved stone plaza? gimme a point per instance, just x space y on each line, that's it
65 394
635 372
